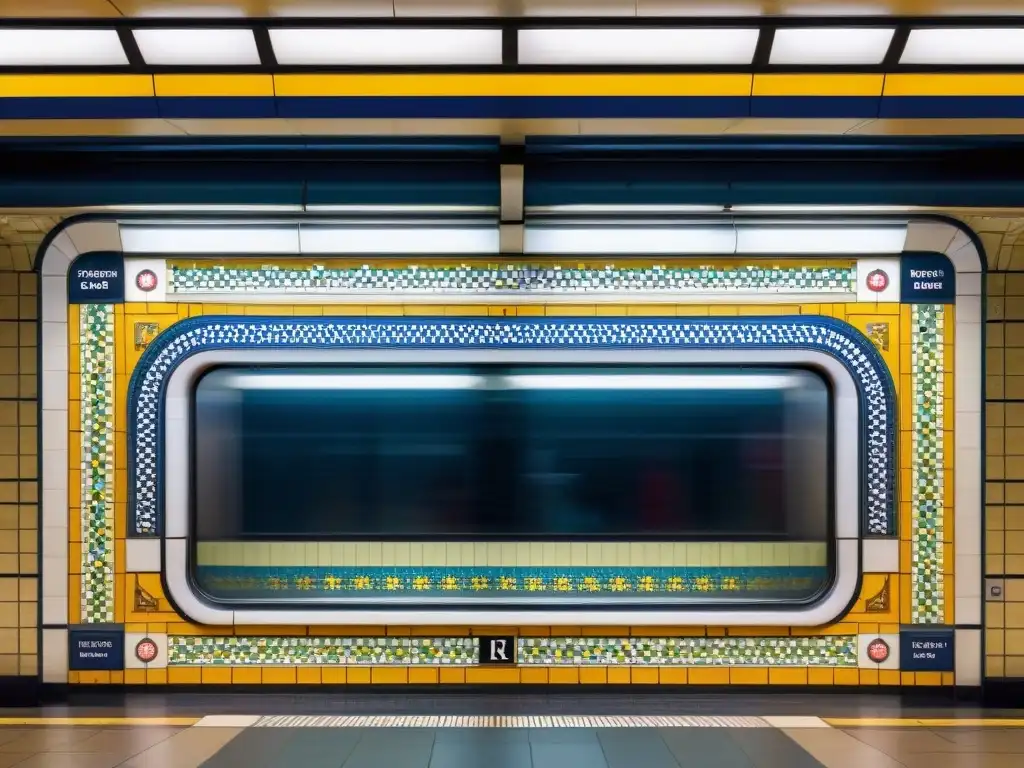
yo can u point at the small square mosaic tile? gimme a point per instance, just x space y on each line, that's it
402 651
96 334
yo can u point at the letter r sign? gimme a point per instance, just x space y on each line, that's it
497 650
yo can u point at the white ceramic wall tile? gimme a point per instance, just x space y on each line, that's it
864 662
55 346
142 556
891 267
54 430
55 608
880 556
132 268
55 391
967 338
55 508
967 610
57 259
967 569
55 467
95 236
53 290
968 310
929 236
967 644
55 655
968 429
968 284
965 259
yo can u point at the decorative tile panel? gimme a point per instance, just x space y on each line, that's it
834 651
927 604
207 333
511 278
819 651
252 582
457 651
96 337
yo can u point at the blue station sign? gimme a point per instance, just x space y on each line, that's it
95 649
926 650
96 278
927 278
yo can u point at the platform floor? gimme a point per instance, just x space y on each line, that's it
437 732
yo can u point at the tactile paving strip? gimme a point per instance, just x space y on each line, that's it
513 721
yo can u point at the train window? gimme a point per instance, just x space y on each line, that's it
726 469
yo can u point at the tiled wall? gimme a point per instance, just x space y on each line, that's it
548 654
1004 460
19 463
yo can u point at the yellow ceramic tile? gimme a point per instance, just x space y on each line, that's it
709 676
644 675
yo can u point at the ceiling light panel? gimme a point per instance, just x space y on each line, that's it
637 46
830 46
386 47
27 47
965 46
198 46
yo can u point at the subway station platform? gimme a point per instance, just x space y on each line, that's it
474 731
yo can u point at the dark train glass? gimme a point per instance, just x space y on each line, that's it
511 452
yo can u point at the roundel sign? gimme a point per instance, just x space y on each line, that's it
878 650
145 650
146 280
877 281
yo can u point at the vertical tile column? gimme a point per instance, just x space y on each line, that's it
19 493
927 464
96 345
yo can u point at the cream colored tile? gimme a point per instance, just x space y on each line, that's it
652 555
492 558
710 554
256 554
523 553
323 554
350 554
415 553
636 555
610 554
578 553
537 553
593 553
507 556
338 554
401 552
387 554
362 554
310 553
374 553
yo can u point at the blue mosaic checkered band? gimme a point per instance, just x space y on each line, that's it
202 334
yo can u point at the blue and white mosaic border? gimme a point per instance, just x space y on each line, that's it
202 334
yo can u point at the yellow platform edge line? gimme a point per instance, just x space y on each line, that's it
45 721
916 722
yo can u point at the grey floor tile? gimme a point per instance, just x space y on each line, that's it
585 753
705 747
635 747
252 747
44 739
771 748
392 748
835 749
319 748
482 735
187 749
563 736
481 754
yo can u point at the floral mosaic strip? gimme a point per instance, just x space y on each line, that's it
96 336
459 651
208 333
510 278
834 651
927 470
285 581
821 651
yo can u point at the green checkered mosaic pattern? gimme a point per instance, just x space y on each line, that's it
510 278
821 651
927 598
96 344
400 651
826 651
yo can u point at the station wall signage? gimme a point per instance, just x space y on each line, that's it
96 278
497 650
927 278
926 650
92 649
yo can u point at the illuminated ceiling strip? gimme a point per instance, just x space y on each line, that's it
626 46
387 47
831 46
959 46
197 47
41 46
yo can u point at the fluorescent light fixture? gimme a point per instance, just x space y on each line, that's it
198 208
637 46
954 46
820 208
28 47
639 239
385 238
198 46
212 240
404 209
625 210
817 239
313 382
831 46
685 382
386 47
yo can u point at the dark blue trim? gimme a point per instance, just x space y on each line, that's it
84 108
514 107
835 338
815 106
237 107
935 107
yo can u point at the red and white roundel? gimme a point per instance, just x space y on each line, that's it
145 650
878 650
877 281
146 280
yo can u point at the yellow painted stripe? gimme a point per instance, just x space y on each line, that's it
954 85
214 85
899 722
513 85
818 85
45 721
61 86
